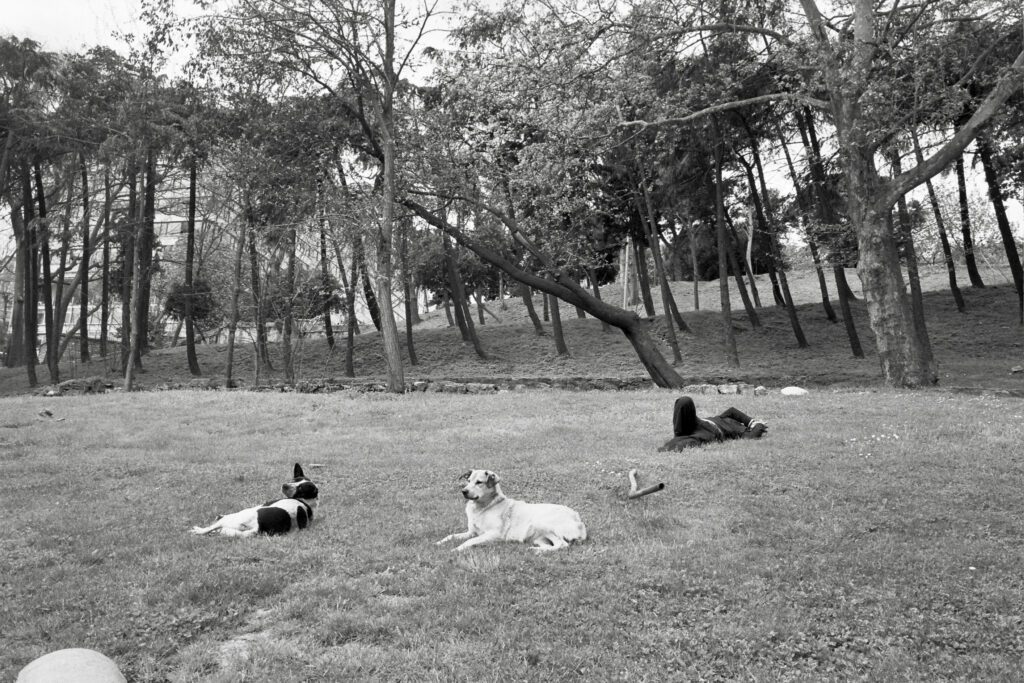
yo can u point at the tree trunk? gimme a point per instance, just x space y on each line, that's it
767 219
995 194
352 328
410 309
147 237
190 258
965 225
666 293
801 198
105 284
31 284
236 295
128 266
262 359
368 295
46 284
642 276
826 304
325 284
692 233
744 260
905 240
732 358
289 308
556 326
903 360
389 328
463 316
668 301
16 344
737 270
136 312
83 266
826 214
408 295
940 224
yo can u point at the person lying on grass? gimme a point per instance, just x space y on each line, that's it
691 430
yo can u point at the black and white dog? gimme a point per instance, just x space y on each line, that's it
273 517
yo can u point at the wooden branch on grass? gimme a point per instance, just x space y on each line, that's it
634 492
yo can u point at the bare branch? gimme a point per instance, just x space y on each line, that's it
727 106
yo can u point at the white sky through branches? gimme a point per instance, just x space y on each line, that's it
70 25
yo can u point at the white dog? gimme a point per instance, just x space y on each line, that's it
494 517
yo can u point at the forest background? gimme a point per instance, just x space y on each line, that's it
274 171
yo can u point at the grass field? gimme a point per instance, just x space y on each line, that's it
874 534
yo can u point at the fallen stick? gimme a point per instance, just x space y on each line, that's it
634 492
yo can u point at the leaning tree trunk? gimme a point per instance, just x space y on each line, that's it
965 225
661 272
372 306
738 270
940 224
463 316
827 215
767 220
640 256
566 288
996 195
906 240
666 293
801 199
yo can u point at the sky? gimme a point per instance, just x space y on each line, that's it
69 25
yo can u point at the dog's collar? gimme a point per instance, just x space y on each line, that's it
494 501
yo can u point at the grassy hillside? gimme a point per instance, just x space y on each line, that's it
976 349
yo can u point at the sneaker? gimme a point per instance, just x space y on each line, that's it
756 423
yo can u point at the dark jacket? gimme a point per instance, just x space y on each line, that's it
691 431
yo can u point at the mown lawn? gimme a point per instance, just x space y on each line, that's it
873 535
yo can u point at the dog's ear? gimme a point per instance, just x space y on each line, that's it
492 479
298 472
465 475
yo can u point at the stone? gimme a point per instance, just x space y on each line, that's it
76 664
793 391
